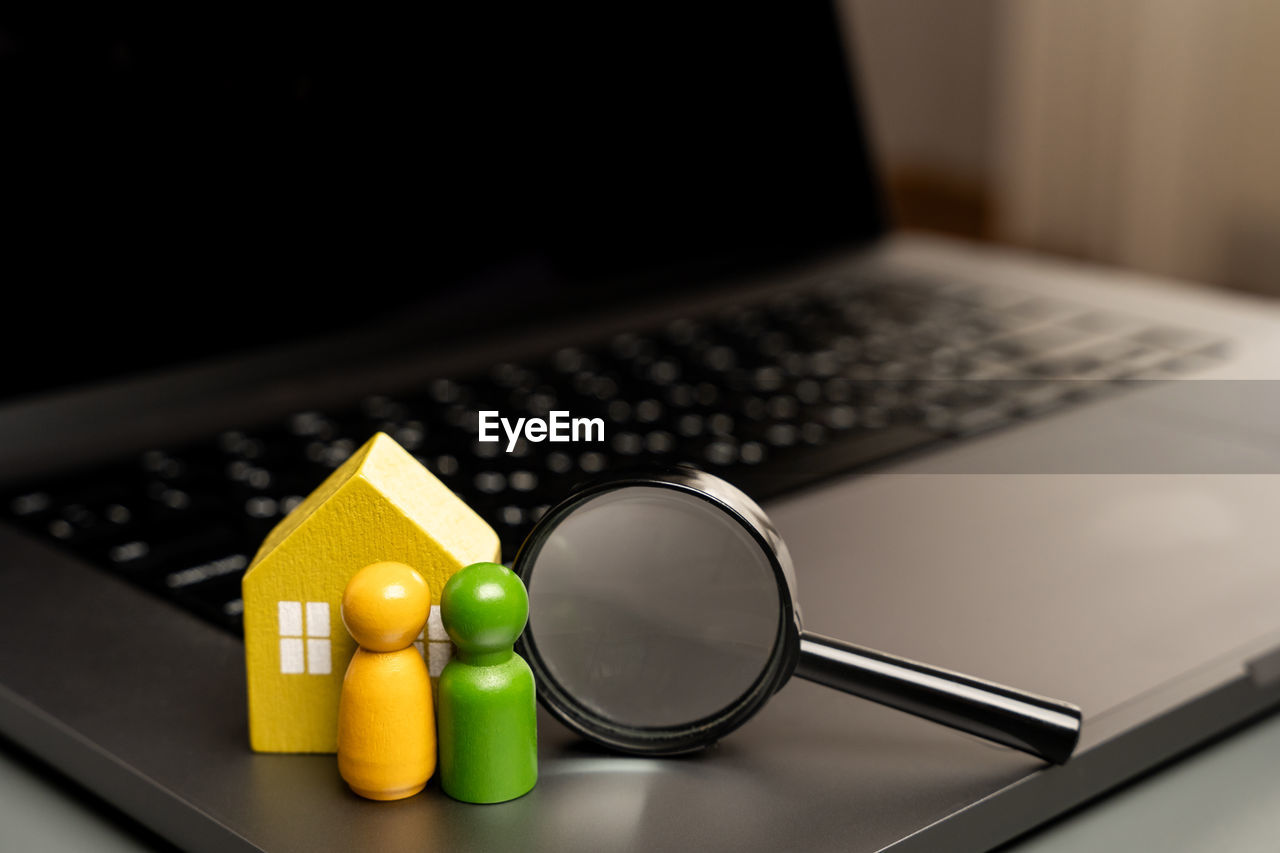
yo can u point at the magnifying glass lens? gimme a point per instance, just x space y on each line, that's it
652 607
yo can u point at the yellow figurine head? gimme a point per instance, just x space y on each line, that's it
385 606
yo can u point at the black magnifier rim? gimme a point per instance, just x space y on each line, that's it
667 740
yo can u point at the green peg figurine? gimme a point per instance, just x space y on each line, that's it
486 716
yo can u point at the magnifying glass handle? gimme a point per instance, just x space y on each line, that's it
1046 728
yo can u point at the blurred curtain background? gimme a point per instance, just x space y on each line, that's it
1141 133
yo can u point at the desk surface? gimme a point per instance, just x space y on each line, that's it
1225 797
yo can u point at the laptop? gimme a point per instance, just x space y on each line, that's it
250 244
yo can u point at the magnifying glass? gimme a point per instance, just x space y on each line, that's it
663 615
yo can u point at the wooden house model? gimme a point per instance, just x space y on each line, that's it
381 504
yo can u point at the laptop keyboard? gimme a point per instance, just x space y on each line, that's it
772 396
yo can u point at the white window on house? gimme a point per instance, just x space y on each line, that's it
434 644
304 642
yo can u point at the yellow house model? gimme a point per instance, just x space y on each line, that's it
380 505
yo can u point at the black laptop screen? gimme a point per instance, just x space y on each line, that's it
281 175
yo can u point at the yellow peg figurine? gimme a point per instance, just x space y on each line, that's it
386 723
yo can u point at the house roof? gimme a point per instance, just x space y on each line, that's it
404 482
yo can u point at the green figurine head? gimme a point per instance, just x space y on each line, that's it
484 607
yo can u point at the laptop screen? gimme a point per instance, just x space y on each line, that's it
204 183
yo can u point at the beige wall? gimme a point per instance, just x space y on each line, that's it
926 72
1144 133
